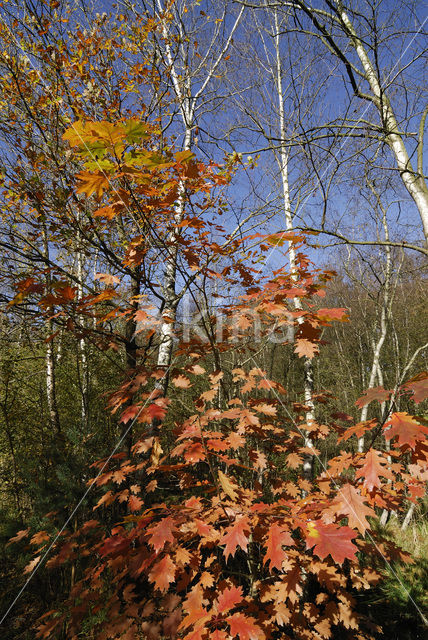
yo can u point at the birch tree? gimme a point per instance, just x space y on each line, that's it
189 73
377 66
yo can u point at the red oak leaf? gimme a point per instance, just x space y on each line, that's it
277 537
32 565
358 429
163 573
181 382
418 386
135 503
229 598
194 452
350 503
244 627
227 485
305 348
19 536
130 413
405 428
107 278
161 533
373 467
235 537
327 315
329 539
90 183
156 411
375 393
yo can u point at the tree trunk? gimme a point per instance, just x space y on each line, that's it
413 181
50 353
308 379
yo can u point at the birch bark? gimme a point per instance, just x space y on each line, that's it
282 158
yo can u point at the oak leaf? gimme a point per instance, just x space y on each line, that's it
375 393
227 485
266 409
181 382
358 429
235 537
19 536
329 539
327 315
163 573
405 428
107 278
229 598
305 348
244 627
350 503
372 468
134 503
290 586
32 565
90 183
161 533
194 452
276 539
418 386
282 614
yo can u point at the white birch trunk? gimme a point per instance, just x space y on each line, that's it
50 352
413 181
376 369
81 353
187 103
283 164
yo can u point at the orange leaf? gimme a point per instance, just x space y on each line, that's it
161 533
107 279
305 348
244 627
329 539
333 314
90 183
235 537
19 536
373 467
196 370
181 382
349 502
277 537
418 386
229 598
118 476
32 565
130 413
405 428
266 409
375 393
163 573
135 503
358 429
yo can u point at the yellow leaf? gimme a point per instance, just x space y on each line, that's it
92 183
227 485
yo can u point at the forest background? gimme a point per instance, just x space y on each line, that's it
217 207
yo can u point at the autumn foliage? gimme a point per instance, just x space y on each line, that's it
205 526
